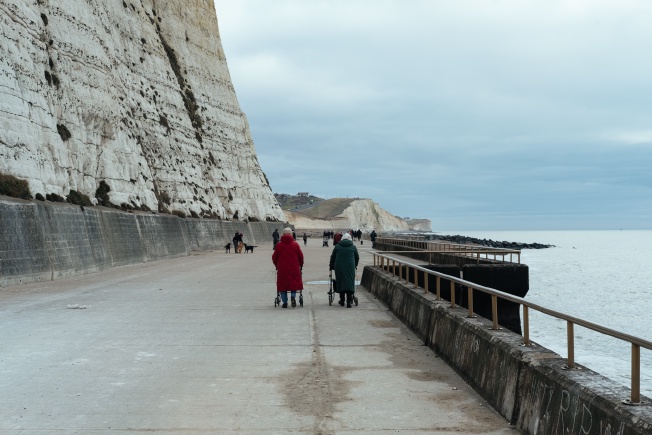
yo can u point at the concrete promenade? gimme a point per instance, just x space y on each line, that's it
195 345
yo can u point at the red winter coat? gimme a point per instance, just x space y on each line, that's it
288 260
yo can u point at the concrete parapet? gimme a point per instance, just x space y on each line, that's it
526 384
44 240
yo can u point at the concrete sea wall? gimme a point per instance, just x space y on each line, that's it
45 241
526 384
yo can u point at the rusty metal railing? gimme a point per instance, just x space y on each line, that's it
383 261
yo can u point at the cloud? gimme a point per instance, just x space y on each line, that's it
641 137
486 113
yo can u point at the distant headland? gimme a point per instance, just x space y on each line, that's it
308 212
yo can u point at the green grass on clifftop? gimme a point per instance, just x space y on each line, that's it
327 209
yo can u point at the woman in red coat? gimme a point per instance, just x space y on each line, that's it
288 260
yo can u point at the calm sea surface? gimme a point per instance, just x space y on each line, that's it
601 276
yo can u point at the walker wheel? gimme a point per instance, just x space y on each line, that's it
301 301
276 302
355 299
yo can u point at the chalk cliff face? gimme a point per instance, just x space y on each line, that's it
363 214
133 93
419 224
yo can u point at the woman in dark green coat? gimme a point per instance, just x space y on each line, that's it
344 261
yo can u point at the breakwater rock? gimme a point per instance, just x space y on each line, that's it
488 243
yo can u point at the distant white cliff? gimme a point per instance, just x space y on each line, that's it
363 214
131 96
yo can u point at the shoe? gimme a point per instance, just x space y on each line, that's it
285 305
348 305
341 302
294 302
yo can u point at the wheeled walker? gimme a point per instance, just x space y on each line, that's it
278 301
332 289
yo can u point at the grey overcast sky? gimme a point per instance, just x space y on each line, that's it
475 114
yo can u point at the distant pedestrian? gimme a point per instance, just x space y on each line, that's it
344 261
235 239
373 236
337 237
305 239
275 238
240 243
288 259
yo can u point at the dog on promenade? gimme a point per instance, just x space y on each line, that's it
227 247
249 248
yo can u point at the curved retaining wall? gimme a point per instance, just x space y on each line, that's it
526 384
44 240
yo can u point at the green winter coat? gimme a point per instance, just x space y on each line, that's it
344 260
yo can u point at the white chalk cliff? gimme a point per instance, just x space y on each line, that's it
133 93
363 214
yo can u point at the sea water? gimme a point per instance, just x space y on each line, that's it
601 276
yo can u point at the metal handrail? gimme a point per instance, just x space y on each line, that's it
636 342
437 247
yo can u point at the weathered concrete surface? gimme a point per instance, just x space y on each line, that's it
527 385
195 345
44 240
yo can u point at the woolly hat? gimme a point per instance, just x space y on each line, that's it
346 236
287 230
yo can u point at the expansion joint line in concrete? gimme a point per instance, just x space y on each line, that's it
321 373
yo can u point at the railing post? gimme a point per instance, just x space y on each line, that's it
470 302
416 278
494 312
526 325
426 278
636 374
452 294
374 260
438 287
400 271
571 344
393 267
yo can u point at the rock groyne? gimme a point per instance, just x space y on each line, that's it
488 243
